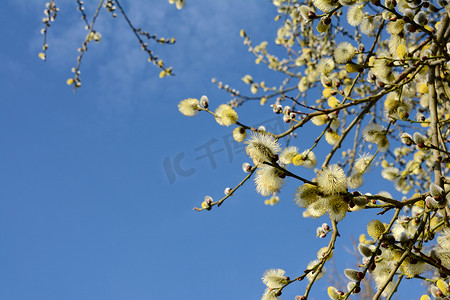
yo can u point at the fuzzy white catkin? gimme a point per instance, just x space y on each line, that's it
431 203
332 180
409 13
262 147
351 274
333 293
418 138
267 180
364 250
274 278
435 190
225 115
421 17
188 107
406 138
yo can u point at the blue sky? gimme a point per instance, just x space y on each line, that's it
89 206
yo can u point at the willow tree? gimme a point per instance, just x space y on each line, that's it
114 8
382 70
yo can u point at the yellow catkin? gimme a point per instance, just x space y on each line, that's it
423 88
333 102
321 26
362 238
298 160
333 293
434 222
401 51
419 204
375 229
332 137
442 286
351 68
327 92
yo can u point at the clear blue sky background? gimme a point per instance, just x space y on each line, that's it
88 206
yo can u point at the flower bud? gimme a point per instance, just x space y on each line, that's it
435 190
421 18
432 7
419 139
443 286
435 292
360 200
410 28
364 250
388 4
350 285
406 139
409 13
431 203
434 255
247 79
305 12
365 260
351 274
277 108
246 167
402 113
239 134
204 102
286 109
420 118
227 191
207 203
319 231
402 236
333 293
